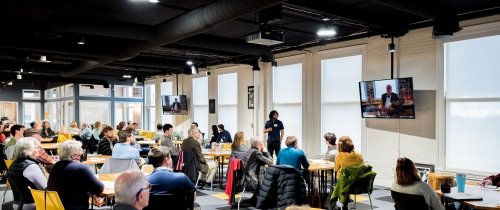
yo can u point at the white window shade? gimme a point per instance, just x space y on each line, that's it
287 99
228 101
340 108
472 105
200 103
166 89
92 111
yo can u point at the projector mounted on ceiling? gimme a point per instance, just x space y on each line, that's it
266 36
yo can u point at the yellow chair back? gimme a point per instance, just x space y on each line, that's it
8 163
140 132
51 197
147 168
226 146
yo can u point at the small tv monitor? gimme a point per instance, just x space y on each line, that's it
390 98
174 105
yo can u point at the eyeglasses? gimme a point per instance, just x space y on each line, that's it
142 189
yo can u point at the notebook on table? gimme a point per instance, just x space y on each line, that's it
463 196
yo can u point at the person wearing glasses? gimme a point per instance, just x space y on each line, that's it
196 161
25 171
73 181
131 191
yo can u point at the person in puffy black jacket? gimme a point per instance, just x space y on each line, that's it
283 186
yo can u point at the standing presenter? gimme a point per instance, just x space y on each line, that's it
275 131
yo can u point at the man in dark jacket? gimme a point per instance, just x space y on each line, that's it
193 158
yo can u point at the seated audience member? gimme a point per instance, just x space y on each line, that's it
292 155
254 161
73 181
121 126
408 182
332 151
224 135
192 145
131 191
163 179
238 147
47 132
347 156
135 127
16 132
25 171
166 140
491 180
215 136
159 132
42 156
107 142
124 149
73 128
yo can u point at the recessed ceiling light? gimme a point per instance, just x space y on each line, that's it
128 76
326 32
81 42
325 19
43 58
189 62
154 1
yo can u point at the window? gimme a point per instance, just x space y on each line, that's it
31 112
92 111
125 111
200 103
166 89
128 92
68 90
53 93
340 98
94 90
52 110
9 109
287 99
149 107
228 101
472 104
31 94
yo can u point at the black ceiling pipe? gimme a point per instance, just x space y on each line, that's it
45 79
228 45
194 22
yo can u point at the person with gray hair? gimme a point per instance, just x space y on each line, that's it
254 161
73 181
193 158
25 171
332 151
131 191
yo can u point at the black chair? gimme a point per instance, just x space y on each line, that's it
362 186
174 201
403 201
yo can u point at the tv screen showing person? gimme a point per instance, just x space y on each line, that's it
175 105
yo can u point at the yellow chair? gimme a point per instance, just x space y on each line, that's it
146 168
63 137
226 146
7 185
140 132
46 200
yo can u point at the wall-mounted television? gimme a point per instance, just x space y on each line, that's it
390 98
174 105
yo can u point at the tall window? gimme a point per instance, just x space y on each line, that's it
9 109
52 114
340 98
472 104
125 111
200 103
287 99
228 101
149 107
166 89
31 112
92 111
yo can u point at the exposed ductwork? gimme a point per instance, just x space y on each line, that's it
194 22
45 79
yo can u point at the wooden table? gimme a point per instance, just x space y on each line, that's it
108 180
46 140
490 198
147 142
322 169
49 146
219 156
96 160
437 179
177 144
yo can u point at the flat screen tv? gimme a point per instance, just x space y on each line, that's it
390 98
174 105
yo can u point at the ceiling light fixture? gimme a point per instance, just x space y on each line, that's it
154 1
43 58
326 32
128 76
189 62
19 76
194 70
391 47
82 41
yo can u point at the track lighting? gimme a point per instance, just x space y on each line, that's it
127 76
82 41
194 70
189 62
19 76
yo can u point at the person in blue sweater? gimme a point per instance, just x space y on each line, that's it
292 155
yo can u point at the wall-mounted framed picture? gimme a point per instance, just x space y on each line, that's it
424 170
250 97
211 106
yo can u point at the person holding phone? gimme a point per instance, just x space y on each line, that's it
275 131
